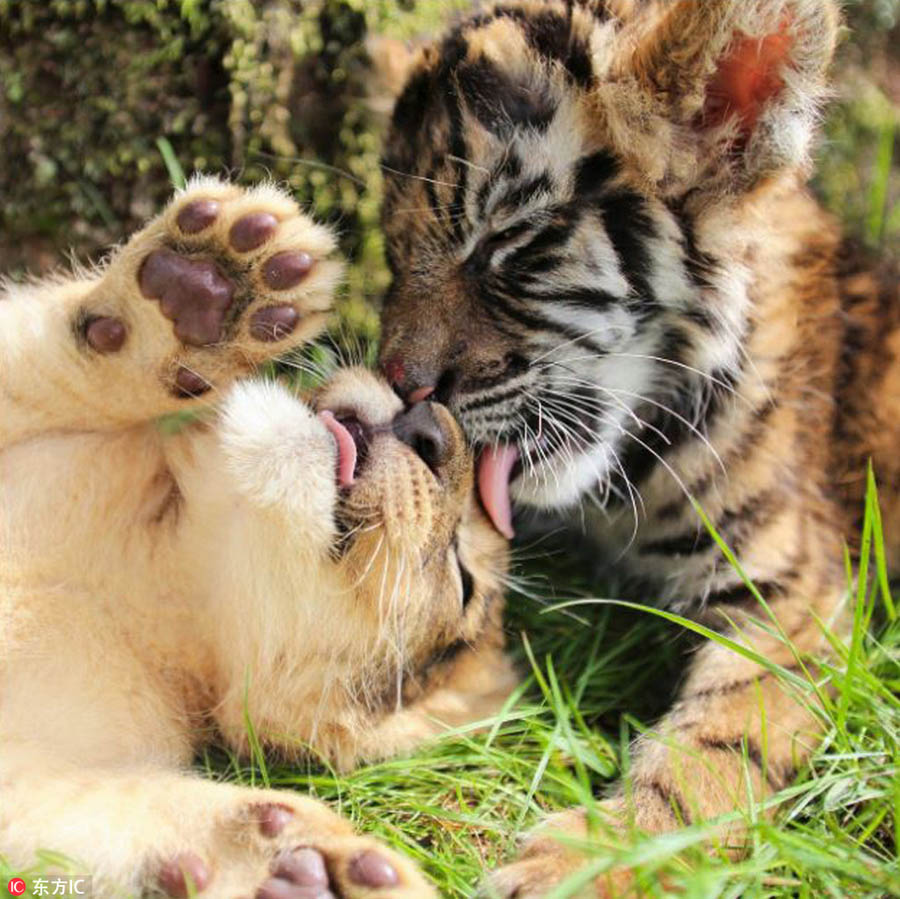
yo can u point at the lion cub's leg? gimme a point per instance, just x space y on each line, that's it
146 830
95 734
223 279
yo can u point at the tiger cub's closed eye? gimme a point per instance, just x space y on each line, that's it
482 255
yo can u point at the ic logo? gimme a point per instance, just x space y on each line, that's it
16 887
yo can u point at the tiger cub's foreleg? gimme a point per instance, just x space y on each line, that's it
223 279
735 736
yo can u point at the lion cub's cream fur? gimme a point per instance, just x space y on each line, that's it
158 588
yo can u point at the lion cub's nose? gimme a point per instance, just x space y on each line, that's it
420 430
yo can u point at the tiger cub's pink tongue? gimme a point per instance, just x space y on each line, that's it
494 468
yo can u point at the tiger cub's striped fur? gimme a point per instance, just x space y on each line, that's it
606 263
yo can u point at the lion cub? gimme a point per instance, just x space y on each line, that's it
319 570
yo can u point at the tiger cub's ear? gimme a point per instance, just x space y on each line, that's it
743 79
392 63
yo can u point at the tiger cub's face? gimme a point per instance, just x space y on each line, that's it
564 186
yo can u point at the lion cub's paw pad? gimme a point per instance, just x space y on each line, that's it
221 281
196 295
105 334
197 216
192 293
272 818
273 323
236 277
250 232
286 270
302 873
288 866
182 875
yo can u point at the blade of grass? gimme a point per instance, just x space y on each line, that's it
862 577
173 166
880 554
879 188
257 755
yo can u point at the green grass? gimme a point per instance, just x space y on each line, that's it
595 675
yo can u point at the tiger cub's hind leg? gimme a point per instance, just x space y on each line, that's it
223 279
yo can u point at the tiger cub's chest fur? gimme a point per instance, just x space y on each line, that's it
777 455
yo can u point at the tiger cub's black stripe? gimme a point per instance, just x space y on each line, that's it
753 514
777 781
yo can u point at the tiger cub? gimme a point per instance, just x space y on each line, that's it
606 264
305 577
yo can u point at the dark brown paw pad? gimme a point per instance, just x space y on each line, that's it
288 269
182 875
192 293
273 323
299 874
197 216
369 869
251 231
302 874
189 384
272 817
105 334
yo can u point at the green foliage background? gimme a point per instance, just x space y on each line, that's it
279 88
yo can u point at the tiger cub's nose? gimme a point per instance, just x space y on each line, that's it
420 429
405 386
414 384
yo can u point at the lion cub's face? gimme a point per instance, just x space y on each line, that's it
415 548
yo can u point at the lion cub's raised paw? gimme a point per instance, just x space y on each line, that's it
223 279
278 846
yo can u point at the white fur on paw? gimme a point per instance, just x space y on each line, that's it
276 450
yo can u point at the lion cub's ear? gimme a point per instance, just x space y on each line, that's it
743 78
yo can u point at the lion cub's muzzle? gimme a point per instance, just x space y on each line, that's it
421 429
408 467
379 439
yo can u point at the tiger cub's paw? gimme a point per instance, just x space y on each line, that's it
280 846
549 857
223 279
